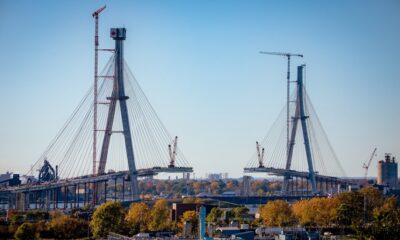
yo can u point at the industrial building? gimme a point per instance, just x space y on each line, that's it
388 172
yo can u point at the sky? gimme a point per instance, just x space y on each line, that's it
199 64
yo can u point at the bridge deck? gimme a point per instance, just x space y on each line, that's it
293 173
97 178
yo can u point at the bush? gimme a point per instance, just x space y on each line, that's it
37 215
26 231
65 227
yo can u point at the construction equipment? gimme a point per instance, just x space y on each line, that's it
367 164
260 155
288 55
96 61
172 152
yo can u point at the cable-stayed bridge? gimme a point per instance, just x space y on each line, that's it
76 169
302 155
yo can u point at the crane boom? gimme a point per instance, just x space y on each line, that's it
282 54
366 165
98 11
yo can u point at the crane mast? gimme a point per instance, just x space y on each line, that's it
95 100
288 56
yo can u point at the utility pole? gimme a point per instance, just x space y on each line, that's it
288 56
95 100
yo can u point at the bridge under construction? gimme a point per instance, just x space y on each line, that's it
115 137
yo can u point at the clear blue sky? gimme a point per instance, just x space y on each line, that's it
198 63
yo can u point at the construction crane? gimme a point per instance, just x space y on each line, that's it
367 164
96 51
288 56
172 152
260 155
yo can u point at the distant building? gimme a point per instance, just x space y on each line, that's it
246 191
9 180
217 176
179 208
387 172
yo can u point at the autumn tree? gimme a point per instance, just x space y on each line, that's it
66 227
108 217
197 187
160 186
316 211
193 200
193 218
215 187
277 213
159 216
138 217
231 185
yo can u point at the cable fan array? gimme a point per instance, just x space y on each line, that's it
71 149
325 161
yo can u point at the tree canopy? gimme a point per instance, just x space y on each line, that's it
138 217
277 213
160 216
108 217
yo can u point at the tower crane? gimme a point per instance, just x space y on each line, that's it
288 56
367 164
96 49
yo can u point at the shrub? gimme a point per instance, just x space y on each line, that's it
65 227
26 231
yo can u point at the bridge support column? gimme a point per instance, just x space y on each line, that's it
118 94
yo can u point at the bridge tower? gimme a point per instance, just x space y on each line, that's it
300 115
118 94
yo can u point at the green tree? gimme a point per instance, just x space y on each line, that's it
386 221
373 199
277 213
240 212
26 231
109 217
350 209
214 215
159 216
138 217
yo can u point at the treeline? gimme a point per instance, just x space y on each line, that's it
42 224
367 212
177 188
